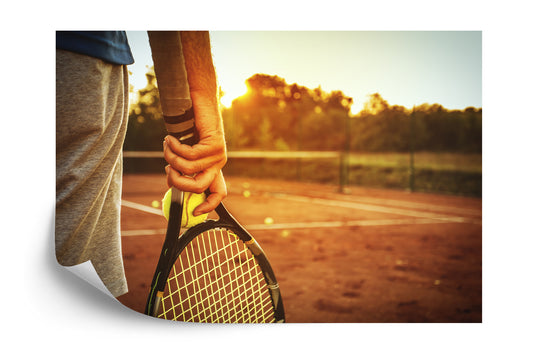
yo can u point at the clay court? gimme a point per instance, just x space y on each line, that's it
366 255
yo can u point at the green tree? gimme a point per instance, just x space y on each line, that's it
298 117
146 128
384 127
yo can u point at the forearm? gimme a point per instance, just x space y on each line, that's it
196 46
201 76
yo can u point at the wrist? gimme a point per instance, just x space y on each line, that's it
205 102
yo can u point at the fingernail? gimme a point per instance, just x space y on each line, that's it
197 212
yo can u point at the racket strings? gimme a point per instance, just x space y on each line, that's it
197 294
216 279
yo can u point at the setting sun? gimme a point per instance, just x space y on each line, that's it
231 92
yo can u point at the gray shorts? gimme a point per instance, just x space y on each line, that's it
91 121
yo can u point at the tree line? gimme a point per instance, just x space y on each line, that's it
275 115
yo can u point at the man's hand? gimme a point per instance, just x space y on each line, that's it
195 168
198 168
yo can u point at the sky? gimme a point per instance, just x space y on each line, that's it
405 67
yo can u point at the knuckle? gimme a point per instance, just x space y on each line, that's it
187 170
197 189
175 162
167 156
171 180
219 149
192 154
170 159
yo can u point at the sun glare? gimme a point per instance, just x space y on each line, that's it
230 93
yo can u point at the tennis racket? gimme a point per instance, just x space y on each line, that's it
214 272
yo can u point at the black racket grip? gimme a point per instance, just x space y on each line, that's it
182 127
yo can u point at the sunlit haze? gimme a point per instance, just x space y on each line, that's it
405 68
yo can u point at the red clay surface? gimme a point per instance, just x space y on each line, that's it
393 256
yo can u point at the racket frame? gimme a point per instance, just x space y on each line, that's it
174 245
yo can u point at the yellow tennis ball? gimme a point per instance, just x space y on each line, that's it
269 220
190 202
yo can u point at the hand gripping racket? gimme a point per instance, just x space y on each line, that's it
214 272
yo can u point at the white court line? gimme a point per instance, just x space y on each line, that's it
333 203
143 232
313 225
374 208
419 217
416 205
143 208
304 225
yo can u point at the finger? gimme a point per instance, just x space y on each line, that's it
167 170
188 167
197 183
218 192
210 146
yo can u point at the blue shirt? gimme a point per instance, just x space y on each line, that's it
111 46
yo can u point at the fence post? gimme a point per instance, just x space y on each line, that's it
411 151
299 148
344 173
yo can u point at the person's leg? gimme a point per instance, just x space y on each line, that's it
91 121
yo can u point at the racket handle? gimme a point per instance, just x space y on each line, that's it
173 86
182 127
